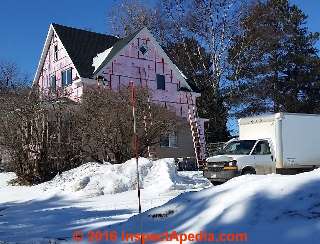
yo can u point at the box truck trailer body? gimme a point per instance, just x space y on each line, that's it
281 142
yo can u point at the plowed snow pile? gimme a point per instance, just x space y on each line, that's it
89 197
93 179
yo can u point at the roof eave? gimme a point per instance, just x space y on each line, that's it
43 54
51 31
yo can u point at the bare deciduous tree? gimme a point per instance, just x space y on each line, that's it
107 123
212 23
38 135
196 34
8 74
11 76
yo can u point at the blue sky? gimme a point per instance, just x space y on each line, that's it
24 24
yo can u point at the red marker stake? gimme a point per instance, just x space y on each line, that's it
135 138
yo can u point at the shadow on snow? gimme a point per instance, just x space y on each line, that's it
51 218
291 218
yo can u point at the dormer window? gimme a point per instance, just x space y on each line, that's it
143 49
55 52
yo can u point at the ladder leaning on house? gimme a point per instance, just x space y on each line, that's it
195 132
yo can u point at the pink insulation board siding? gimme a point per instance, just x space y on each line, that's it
57 60
128 64
131 65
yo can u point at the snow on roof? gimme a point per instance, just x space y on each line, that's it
97 60
182 74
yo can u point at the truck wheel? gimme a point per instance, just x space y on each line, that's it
248 171
216 183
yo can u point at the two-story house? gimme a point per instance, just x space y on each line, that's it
73 59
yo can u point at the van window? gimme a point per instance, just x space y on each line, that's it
262 148
242 147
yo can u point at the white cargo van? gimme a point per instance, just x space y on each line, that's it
277 143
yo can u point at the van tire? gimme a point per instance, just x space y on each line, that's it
216 183
248 171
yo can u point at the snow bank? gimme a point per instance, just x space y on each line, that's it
83 199
93 179
5 178
268 208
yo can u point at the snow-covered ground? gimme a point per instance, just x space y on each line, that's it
267 208
89 197
101 198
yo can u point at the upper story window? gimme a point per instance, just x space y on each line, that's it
53 83
55 52
66 77
161 82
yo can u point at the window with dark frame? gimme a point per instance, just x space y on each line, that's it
53 83
55 52
161 82
164 141
63 78
170 140
66 77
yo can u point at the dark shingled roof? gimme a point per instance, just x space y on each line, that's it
82 46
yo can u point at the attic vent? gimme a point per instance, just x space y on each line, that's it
143 49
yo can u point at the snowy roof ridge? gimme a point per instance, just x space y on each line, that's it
97 60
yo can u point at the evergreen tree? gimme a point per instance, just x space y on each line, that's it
275 66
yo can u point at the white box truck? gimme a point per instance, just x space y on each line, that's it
284 143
